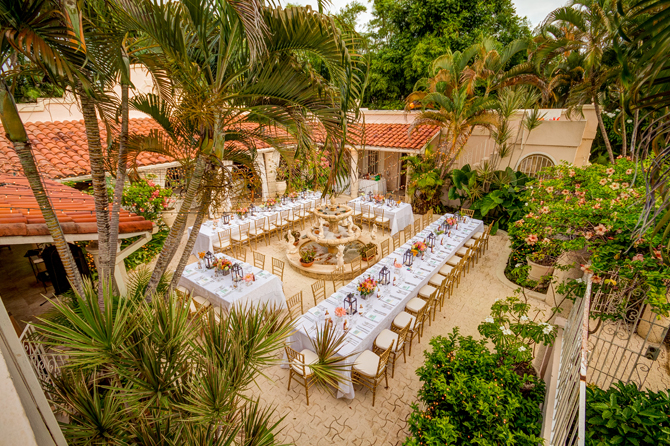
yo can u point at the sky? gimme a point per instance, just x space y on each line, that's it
534 10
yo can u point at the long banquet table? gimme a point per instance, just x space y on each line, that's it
380 312
267 289
399 216
208 233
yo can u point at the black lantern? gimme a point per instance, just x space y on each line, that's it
237 273
351 304
384 276
209 260
225 219
430 241
408 258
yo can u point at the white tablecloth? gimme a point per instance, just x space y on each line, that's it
381 312
267 289
400 216
208 234
377 187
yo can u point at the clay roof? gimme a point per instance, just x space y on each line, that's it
61 150
396 136
21 216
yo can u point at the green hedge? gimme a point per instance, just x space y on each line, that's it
473 396
623 415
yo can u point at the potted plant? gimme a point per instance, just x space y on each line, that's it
307 257
541 264
296 237
363 251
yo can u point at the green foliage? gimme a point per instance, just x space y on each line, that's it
495 196
595 207
624 415
145 198
146 252
409 35
425 182
472 396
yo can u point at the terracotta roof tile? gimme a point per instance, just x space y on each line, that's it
61 150
20 214
396 136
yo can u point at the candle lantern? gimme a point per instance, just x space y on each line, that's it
384 276
408 258
237 273
209 260
430 241
225 219
351 304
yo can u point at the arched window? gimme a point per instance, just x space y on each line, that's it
533 164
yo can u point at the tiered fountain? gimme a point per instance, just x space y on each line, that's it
335 233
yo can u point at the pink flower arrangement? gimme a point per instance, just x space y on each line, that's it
418 248
367 286
249 278
242 212
340 312
451 221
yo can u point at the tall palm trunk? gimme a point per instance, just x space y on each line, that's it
178 227
601 125
96 159
200 217
16 133
636 123
120 177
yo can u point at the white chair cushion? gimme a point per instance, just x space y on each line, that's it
454 261
385 338
310 358
382 220
470 243
217 244
256 231
201 301
402 319
182 290
367 363
446 270
436 280
478 235
415 305
462 252
240 237
426 290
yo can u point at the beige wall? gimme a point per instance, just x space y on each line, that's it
14 423
67 108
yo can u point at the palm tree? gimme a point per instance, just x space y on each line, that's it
38 30
139 372
593 29
229 74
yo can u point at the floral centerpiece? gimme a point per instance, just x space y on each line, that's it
451 221
367 287
379 198
270 202
241 212
340 312
293 195
224 265
418 248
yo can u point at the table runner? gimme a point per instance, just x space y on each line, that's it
381 312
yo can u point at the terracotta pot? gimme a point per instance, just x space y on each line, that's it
365 259
296 243
307 265
539 272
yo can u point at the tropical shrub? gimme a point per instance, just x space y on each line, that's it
473 396
148 251
146 198
495 196
595 208
625 415
425 181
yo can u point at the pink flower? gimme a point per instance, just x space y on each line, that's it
151 183
565 192
141 210
588 235
597 206
658 254
629 171
550 189
520 222
582 201
544 210
614 186
625 185
603 182
597 279
549 229
638 258
572 173
609 171
546 240
586 268
578 185
601 229
531 239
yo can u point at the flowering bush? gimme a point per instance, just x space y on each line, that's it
146 198
512 332
595 207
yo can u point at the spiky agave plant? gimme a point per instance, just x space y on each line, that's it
140 372
330 368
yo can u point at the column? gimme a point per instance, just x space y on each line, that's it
270 174
262 172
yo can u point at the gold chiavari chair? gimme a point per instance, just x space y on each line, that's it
407 232
278 268
368 215
382 221
388 337
369 369
224 243
259 260
300 368
242 237
295 306
396 240
337 277
319 291
385 248
468 212
356 267
417 226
